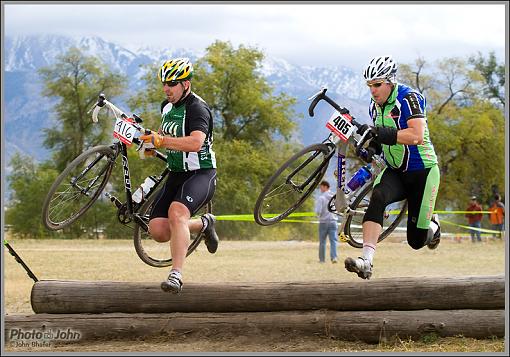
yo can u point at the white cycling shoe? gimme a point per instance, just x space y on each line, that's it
173 283
360 266
434 242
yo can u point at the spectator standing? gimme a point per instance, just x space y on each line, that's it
497 215
474 219
328 225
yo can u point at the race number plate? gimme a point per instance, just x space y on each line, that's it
341 126
124 131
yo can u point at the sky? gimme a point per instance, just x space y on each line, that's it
322 34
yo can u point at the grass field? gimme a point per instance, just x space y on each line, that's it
242 261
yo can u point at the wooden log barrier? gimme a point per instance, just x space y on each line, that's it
417 293
367 326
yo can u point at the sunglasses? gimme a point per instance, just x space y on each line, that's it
171 84
376 84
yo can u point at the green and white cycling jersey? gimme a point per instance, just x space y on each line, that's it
403 104
179 120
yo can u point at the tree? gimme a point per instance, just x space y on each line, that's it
252 126
29 183
452 82
76 80
493 75
244 104
466 126
470 144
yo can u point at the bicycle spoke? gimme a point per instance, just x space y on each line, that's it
77 187
293 182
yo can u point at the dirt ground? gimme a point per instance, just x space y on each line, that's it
245 262
221 342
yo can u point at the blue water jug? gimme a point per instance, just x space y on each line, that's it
359 178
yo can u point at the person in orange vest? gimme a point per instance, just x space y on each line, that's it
474 219
497 215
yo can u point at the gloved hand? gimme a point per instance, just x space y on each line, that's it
152 138
379 134
373 148
372 133
149 153
145 153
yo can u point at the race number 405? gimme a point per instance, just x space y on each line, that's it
341 126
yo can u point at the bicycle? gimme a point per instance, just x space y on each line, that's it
81 183
289 187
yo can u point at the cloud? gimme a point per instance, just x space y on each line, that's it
327 34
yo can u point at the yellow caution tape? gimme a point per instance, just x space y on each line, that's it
250 218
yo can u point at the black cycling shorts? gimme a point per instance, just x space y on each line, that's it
420 188
192 188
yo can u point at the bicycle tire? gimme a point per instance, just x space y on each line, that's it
151 252
354 237
281 196
65 202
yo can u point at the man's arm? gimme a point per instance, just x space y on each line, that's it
191 143
318 206
413 134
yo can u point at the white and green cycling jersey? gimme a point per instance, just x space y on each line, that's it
179 120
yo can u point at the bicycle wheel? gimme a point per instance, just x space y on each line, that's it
154 253
353 230
292 183
78 187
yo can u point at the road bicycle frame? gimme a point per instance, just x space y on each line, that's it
341 138
127 210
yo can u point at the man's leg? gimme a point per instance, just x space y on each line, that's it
388 188
472 232
501 229
178 222
478 225
323 231
363 265
333 240
423 227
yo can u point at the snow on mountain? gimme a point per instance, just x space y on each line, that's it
25 54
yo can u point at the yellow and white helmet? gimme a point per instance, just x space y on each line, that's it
176 70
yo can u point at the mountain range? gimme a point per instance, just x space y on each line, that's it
26 111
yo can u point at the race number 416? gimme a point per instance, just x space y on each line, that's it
124 131
341 126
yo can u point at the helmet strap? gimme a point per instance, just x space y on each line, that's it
185 92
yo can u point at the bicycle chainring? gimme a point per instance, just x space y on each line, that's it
122 215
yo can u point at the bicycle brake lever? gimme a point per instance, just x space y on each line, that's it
360 151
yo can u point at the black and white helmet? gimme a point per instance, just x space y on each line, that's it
382 67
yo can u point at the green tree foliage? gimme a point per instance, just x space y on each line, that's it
253 130
493 75
466 126
76 80
244 104
29 183
251 126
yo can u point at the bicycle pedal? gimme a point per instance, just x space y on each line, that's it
343 237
